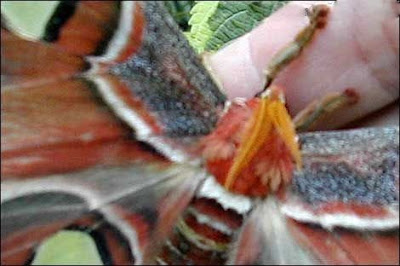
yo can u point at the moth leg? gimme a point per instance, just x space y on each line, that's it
317 110
318 16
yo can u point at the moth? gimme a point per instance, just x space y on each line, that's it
193 178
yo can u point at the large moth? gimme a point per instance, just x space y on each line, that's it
175 189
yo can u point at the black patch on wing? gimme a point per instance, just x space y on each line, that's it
62 14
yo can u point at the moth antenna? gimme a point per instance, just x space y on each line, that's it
319 109
318 16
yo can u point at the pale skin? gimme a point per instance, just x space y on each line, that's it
357 49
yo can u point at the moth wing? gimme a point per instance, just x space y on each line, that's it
134 57
343 206
42 43
344 246
27 63
88 29
59 127
350 179
126 207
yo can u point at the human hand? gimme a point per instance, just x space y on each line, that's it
358 49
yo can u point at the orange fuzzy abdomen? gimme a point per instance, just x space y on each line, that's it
247 182
250 180
267 168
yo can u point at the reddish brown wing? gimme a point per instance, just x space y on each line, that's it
133 56
47 130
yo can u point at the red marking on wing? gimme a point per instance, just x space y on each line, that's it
364 248
34 60
354 208
72 156
136 36
138 224
386 246
61 127
348 247
134 103
320 242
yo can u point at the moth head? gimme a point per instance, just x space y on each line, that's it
254 149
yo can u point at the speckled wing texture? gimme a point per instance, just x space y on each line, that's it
133 57
349 179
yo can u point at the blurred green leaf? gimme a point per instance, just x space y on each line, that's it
215 23
200 31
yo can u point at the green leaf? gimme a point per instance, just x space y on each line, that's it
216 23
200 31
